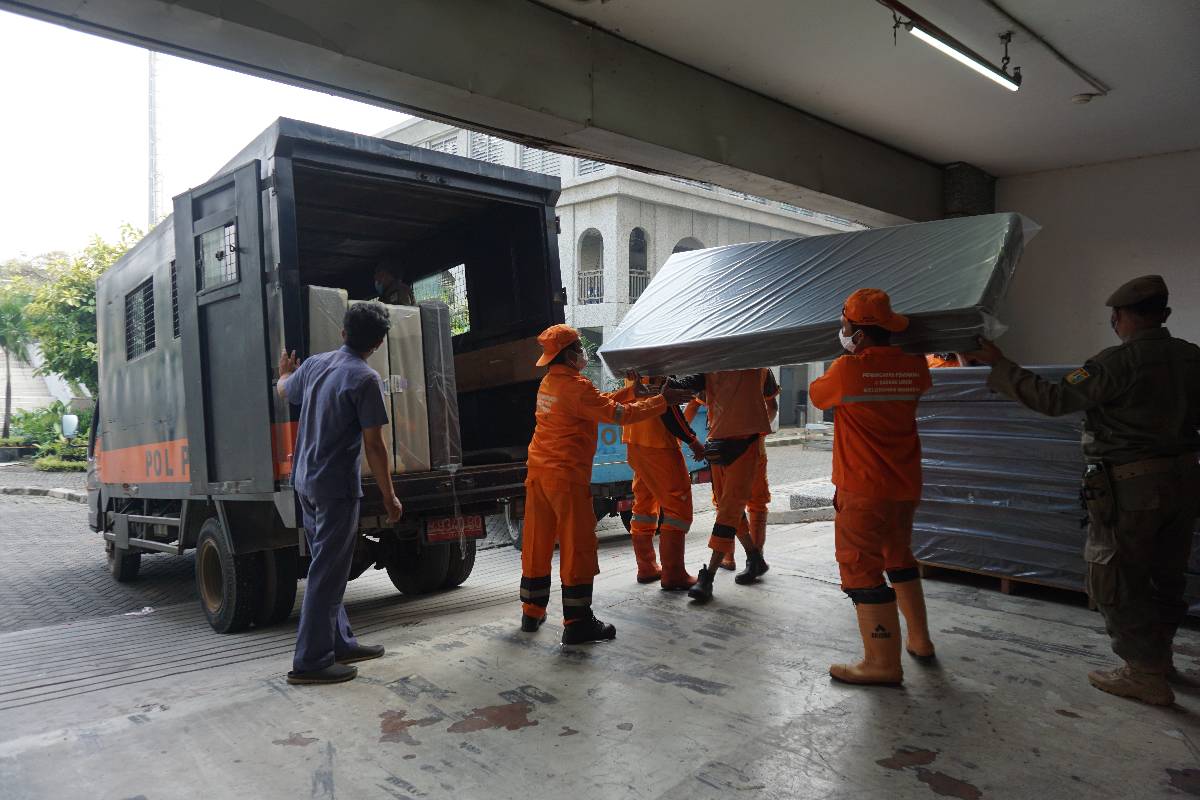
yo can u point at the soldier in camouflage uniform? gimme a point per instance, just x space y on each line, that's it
1140 441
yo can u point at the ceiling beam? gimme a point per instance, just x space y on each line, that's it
536 75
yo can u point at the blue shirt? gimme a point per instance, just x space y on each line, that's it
339 396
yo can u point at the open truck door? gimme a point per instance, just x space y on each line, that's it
226 367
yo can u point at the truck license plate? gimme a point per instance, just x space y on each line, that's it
446 529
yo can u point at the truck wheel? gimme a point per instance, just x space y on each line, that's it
281 570
627 519
228 584
516 528
123 564
461 564
421 572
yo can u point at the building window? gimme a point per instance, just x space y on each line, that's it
446 144
174 302
139 320
217 257
487 148
639 272
542 161
449 286
587 166
686 245
591 268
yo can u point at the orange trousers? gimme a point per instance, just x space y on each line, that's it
733 486
661 484
558 512
870 537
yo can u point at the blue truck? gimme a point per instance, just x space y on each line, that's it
612 477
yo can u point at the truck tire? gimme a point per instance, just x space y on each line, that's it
627 519
422 572
228 584
516 528
281 570
123 564
462 561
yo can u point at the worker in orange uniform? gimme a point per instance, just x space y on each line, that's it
877 472
737 421
755 521
943 360
558 503
662 490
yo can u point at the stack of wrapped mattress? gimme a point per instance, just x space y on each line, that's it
416 368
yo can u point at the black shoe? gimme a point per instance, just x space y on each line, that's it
334 673
531 624
363 652
588 630
755 567
702 592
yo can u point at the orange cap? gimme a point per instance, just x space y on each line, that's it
873 307
553 340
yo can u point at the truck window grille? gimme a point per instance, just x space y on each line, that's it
139 320
451 288
174 302
217 257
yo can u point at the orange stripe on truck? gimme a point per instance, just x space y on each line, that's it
160 462
167 462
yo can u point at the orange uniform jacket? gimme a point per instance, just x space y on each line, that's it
735 399
876 450
663 433
569 407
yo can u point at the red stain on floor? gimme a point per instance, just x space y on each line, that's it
296 740
908 757
393 727
946 786
510 717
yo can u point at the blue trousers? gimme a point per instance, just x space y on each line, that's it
331 527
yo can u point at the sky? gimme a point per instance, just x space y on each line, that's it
74 145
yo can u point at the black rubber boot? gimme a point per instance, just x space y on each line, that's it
755 567
702 592
587 630
531 624
334 673
364 652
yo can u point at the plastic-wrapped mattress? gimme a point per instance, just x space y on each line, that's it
769 303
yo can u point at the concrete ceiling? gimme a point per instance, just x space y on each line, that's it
838 62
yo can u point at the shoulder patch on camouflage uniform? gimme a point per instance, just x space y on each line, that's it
1078 376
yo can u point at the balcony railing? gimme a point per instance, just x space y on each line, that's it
591 288
638 280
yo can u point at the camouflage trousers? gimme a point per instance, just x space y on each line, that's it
1137 556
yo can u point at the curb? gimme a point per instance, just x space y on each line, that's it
799 515
69 495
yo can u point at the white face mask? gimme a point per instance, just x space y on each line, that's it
582 360
848 342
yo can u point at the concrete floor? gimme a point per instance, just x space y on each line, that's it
730 700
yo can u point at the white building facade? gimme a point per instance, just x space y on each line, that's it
619 226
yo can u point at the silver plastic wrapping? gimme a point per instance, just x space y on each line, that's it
769 303
378 361
326 312
406 388
1002 485
441 391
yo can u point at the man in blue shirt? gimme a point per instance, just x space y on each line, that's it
342 411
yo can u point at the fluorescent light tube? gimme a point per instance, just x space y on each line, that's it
986 70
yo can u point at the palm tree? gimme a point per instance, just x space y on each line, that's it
15 341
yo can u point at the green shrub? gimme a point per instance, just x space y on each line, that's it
13 441
44 425
63 451
55 464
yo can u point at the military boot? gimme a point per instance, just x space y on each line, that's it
1135 682
588 629
702 592
756 566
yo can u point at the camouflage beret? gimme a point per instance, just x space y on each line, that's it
1137 290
